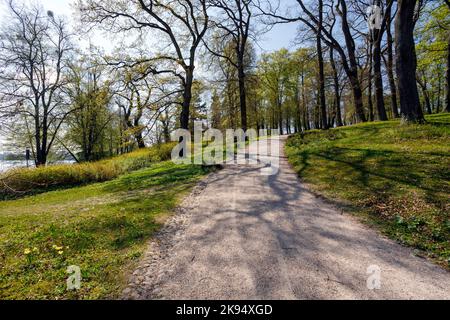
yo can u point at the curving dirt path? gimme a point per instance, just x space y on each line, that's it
242 235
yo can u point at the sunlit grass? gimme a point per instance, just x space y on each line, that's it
396 176
102 228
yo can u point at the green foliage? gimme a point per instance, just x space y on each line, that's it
103 228
198 110
90 125
396 176
433 35
22 181
276 73
432 46
225 107
288 88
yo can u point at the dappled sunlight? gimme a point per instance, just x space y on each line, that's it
384 169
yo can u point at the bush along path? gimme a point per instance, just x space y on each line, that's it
21 182
248 236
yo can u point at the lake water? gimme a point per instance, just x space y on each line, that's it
6 165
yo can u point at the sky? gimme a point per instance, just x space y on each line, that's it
280 36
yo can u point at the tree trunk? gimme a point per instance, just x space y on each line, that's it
378 78
299 105
40 158
352 70
369 83
337 95
166 129
406 62
438 98
44 141
447 100
427 99
322 98
390 66
357 96
187 97
426 95
140 140
306 122
280 116
242 93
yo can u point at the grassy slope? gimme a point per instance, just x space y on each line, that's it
395 176
101 228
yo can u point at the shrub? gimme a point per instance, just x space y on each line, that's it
23 181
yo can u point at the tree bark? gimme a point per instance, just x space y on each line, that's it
390 65
140 140
322 98
377 35
357 96
426 95
242 93
306 121
369 83
280 115
337 95
406 62
187 97
447 100
378 79
39 160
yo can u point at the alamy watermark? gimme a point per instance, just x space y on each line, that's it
74 280
374 17
374 279
235 147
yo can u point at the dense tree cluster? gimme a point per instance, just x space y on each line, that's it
186 60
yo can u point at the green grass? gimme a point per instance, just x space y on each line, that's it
396 177
103 228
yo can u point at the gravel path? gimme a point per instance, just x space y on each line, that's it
242 235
